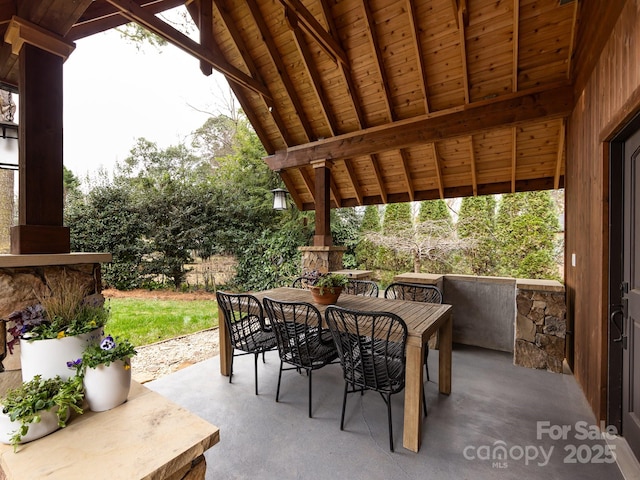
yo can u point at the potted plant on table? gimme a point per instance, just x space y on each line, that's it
38 407
106 371
59 327
325 287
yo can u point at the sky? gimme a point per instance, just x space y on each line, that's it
115 93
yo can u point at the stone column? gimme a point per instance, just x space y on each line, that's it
322 258
540 325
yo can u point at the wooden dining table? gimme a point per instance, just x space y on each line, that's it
422 319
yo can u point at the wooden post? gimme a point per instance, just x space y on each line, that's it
322 235
40 228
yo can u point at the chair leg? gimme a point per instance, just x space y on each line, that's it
231 367
424 402
390 423
255 369
279 377
309 373
263 360
344 404
426 365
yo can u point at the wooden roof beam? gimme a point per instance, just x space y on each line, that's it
351 175
100 16
317 32
561 135
501 112
515 43
255 73
574 30
378 173
309 183
310 67
276 58
130 10
204 20
436 161
407 173
335 192
472 157
415 32
375 45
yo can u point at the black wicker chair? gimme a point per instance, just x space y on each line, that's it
302 342
371 347
248 332
365 288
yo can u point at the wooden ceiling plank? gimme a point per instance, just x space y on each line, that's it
277 61
317 32
352 176
561 137
310 68
379 63
135 13
415 32
101 16
407 173
288 182
514 155
436 161
501 112
515 42
379 179
251 66
472 156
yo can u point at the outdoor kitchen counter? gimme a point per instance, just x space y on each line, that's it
147 437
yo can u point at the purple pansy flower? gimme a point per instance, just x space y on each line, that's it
74 363
108 343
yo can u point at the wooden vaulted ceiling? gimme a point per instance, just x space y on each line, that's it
406 99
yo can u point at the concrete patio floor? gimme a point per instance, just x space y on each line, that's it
493 404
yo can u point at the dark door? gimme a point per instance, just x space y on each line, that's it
631 294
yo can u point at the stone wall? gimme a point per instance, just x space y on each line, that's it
323 259
540 325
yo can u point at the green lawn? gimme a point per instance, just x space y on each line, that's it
145 321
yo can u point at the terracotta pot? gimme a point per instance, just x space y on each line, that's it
106 387
327 298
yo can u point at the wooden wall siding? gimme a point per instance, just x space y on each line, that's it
612 83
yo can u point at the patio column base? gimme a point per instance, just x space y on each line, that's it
322 258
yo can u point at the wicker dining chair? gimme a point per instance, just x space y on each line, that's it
371 347
365 288
301 340
246 327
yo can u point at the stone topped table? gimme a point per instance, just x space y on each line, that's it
147 437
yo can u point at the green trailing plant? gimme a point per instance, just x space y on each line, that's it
109 350
26 402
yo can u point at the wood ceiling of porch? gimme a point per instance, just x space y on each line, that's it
409 100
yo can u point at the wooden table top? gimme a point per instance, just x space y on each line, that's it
422 319
147 437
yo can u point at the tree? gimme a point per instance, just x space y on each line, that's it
438 212
476 220
366 252
526 227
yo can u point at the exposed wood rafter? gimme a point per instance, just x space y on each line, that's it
335 192
561 136
415 31
317 32
472 157
514 154
516 47
276 58
406 170
255 73
379 181
462 22
377 52
205 25
574 32
308 182
310 67
436 162
291 188
352 180
133 12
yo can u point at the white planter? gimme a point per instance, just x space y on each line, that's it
48 423
107 387
49 357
